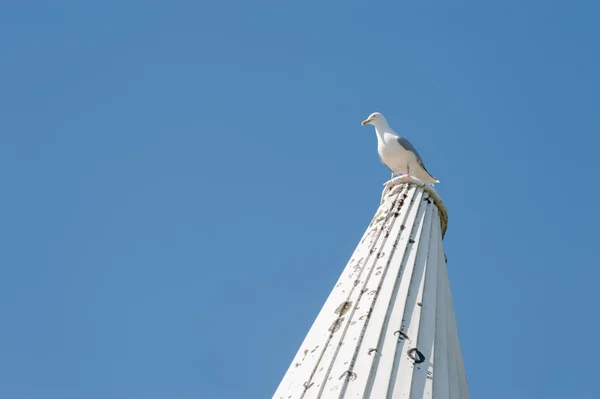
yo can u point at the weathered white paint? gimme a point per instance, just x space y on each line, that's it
387 330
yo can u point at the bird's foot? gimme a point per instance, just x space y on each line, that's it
400 178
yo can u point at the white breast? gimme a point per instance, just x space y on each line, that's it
392 154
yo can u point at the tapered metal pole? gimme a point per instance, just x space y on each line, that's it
387 330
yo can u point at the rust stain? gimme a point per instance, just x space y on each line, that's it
343 308
336 325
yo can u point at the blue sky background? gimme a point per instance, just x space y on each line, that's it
183 182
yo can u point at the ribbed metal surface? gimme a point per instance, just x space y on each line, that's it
387 330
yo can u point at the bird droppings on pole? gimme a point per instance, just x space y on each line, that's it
387 328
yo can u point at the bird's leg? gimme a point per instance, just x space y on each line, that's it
388 182
407 174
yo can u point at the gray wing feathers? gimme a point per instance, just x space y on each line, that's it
409 147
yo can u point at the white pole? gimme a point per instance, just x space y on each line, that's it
387 330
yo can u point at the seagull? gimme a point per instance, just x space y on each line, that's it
396 152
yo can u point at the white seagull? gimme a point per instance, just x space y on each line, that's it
396 152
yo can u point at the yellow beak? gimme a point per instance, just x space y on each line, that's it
366 121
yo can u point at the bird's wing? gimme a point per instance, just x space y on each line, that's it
409 147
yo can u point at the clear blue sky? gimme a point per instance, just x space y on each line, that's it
174 213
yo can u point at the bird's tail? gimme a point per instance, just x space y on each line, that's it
426 177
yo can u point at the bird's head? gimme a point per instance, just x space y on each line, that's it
375 119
